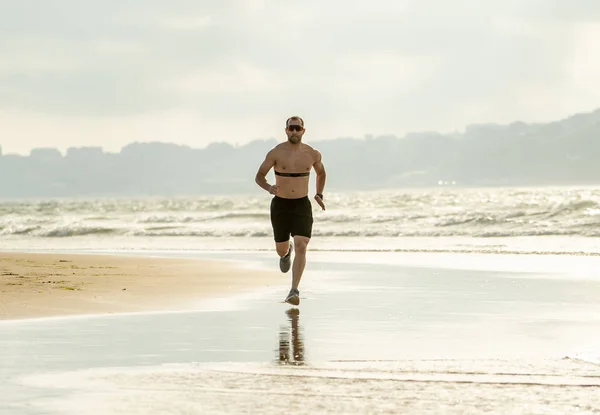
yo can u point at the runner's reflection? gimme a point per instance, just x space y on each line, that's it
297 342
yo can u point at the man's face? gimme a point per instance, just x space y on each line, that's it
294 131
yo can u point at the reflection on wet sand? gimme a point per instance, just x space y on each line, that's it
297 342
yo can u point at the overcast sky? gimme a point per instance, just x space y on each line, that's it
110 72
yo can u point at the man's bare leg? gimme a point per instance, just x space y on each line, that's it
282 248
300 247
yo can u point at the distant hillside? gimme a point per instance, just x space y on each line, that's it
561 152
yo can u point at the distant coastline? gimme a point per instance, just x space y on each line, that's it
559 153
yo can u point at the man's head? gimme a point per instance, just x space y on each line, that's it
294 128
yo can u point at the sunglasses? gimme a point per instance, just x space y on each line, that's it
295 128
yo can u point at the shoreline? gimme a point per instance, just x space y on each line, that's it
38 285
43 284
530 245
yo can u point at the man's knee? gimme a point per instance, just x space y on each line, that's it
301 244
282 248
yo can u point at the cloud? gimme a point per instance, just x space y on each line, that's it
20 60
237 77
379 66
185 23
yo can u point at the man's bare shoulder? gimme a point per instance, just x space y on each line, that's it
275 150
278 148
313 151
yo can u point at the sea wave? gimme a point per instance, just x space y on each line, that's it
202 218
572 207
479 213
66 231
175 231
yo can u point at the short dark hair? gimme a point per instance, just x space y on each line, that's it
294 118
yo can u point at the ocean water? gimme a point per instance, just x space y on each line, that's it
422 213
439 218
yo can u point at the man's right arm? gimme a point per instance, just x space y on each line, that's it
261 175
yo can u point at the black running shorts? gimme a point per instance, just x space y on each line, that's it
291 217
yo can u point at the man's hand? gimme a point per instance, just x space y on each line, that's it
274 189
320 202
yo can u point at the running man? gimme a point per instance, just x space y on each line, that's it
291 210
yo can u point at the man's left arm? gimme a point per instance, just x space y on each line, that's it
321 178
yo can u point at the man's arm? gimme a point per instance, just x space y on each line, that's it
321 178
261 175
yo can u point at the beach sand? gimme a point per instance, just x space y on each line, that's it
40 284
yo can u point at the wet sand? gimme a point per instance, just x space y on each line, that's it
43 285
374 333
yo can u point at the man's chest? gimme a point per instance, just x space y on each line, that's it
294 162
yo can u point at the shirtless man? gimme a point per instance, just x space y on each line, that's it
291 210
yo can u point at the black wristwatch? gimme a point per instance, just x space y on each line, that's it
320 195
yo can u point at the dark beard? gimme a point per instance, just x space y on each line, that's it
294 139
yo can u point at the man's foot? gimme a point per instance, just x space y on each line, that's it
285 262
293 297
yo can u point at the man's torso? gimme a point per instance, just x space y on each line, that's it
297 162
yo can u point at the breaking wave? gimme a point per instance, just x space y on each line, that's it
479 213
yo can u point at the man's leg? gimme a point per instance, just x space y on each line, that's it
280 222
285 257
282 248
301 228
300 247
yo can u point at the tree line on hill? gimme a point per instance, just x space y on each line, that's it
518 154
